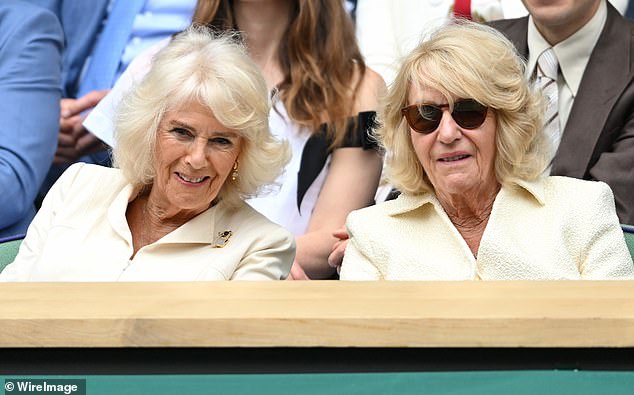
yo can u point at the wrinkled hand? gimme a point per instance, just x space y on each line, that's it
338 249
297 273
74 140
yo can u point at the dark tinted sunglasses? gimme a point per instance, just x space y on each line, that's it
425 118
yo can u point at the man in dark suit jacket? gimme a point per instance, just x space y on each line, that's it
598 136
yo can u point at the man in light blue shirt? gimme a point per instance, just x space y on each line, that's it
102 38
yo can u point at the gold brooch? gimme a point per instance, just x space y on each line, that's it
222 239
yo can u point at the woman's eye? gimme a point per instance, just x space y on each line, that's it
221 141
180 132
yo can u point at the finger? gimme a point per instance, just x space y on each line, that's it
341 234
68 124
297 273
66 140
90 143
79 131
66 106
336 256
65 155
60 160
66 151
92 98
89 100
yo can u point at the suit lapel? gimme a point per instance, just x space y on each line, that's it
515 30
606 76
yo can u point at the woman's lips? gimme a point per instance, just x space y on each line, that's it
453 157
191 180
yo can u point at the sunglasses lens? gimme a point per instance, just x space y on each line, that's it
423 119
469 114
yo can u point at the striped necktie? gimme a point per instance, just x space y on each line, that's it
546 79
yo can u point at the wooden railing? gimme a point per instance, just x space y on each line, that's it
318 314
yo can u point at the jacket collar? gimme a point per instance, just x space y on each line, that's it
199 230
407 202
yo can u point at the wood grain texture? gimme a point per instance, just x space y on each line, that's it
318 313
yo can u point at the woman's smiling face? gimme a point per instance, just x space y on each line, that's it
193 158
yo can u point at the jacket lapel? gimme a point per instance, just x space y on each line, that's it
606 76
515 30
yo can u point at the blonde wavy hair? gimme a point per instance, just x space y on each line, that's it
215 71
467 60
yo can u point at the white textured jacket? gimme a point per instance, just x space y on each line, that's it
81 234
552 229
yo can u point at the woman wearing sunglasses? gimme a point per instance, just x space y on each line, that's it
463 133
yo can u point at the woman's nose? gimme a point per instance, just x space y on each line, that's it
448 129
197 155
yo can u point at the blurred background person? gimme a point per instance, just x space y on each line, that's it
325 99
31 44
192 142
389 30
464 130
580 53
101 39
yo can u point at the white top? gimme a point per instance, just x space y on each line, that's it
280 206
552 229
81 234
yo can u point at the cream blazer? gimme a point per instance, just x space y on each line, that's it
81 234
551 229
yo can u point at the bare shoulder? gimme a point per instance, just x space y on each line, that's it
370 91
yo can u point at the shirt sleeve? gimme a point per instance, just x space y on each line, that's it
357 261
606 256
33 244
269 258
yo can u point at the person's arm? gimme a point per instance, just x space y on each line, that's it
351 184
33 244
605 256
30 92
615 166
269 258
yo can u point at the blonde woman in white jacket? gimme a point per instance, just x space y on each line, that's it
464 133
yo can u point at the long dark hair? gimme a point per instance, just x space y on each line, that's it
319 57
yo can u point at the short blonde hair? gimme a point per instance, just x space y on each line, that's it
215 71
467 60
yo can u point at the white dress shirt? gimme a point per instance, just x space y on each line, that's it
572 54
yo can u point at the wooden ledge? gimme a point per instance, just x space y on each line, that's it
318 314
